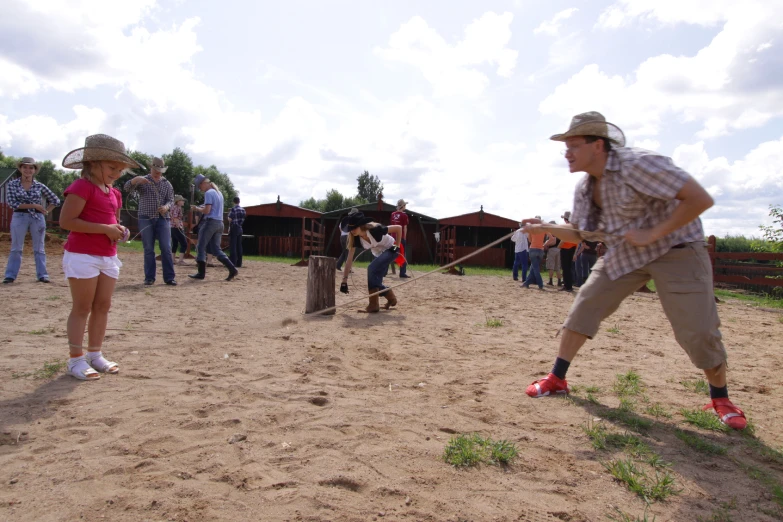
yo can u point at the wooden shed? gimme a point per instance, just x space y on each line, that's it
6 212
462 235
279 229
421 230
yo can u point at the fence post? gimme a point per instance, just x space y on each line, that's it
320 284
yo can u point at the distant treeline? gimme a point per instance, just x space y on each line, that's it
180 173
743 244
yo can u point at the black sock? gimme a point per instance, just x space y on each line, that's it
560 368
719 393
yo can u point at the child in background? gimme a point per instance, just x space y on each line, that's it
91 213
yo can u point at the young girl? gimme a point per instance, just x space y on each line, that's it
91 213
374 237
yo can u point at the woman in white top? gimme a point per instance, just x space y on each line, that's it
362 231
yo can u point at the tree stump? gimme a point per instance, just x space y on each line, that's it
320 284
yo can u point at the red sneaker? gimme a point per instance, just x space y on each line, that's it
551 385
728 414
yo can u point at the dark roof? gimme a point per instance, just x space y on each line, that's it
280 209
376 207
480 219
6 173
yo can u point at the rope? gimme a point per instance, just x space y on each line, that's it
439 269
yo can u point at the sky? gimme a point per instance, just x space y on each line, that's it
449 102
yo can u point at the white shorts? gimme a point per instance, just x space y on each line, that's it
85 266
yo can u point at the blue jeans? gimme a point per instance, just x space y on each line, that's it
209 234
536 255
235 245
21 222
586 262
404 267
178 241
378 268
151 229
521 260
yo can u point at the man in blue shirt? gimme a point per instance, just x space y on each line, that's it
210 229
236 218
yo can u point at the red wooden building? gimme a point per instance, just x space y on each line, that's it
462 235
421 231
280 229
6 212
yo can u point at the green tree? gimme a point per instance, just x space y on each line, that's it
774 233
368 187
313 204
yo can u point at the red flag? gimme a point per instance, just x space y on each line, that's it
401 256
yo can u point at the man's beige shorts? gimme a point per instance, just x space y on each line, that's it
683 280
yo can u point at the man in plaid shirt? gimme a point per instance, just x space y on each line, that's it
156 196
236 218
651 207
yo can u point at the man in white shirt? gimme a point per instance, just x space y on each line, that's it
521 259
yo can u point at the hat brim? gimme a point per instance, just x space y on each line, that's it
36 165
75 158
593 128
362 221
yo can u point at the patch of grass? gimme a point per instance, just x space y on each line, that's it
43 331
657 411
721 513
472 450
596 433
628 419
614 329
491 322
651 489
765 452
628 384
53 298
49 370
148 292
629 443
627 405
592 398
699 444
706 420
697 386
755 300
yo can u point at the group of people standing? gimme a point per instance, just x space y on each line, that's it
569 263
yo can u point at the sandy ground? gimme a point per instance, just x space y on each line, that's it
347 417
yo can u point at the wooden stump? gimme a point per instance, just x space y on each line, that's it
320 284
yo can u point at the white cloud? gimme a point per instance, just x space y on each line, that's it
653 145
719 86
698 12
743 189
452 70
43 137
552 27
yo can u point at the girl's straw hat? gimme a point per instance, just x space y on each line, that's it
98 147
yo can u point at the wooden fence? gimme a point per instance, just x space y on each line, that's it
755 271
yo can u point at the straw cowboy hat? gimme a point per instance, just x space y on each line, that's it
28 161
592 124
99 147
401 203
177 197
158 164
